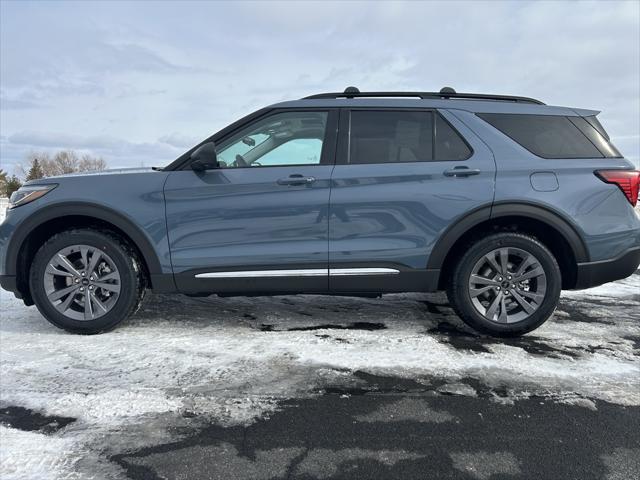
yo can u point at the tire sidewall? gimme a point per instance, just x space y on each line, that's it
110 246
548 263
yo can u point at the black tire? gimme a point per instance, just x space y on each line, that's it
132 282
459 289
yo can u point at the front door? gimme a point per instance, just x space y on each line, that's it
258 222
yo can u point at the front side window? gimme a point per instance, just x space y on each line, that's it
403 136
289 138
299 151
549 136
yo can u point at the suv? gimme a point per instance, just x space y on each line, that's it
501 201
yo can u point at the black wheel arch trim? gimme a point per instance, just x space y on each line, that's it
557 220
99 212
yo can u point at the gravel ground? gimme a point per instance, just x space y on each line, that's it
323 388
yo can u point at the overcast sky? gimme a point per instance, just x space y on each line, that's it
140 82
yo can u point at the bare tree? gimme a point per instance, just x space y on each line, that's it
65 161
88 163
62 162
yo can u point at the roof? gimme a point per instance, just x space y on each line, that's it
447 98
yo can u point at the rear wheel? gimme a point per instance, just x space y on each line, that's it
86 281
506 284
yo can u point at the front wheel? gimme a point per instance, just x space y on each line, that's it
506 284
86 281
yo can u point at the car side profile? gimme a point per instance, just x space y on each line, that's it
501 201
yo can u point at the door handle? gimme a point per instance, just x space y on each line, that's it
296 179
461 172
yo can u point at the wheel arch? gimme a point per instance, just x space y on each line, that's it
554 229
44 223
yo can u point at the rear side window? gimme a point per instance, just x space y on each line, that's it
390 137
403 136
551 136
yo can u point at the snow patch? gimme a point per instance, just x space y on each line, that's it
484 465
407 409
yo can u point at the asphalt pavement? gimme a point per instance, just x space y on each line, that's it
398 429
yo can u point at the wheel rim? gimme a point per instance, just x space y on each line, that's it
82 282
507 285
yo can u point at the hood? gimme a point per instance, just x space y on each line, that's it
110 171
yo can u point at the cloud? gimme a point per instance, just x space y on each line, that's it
117 151
168 75
178 140
62 140
17 104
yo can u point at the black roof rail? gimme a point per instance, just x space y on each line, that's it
445 93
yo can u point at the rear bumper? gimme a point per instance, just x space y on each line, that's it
592 274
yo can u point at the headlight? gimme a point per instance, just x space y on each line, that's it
29 193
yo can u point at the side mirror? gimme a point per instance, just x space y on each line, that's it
204 157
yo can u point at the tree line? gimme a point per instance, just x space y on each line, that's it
42 165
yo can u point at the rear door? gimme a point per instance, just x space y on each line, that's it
402 177
259 222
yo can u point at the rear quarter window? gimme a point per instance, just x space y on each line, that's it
550 136
449 145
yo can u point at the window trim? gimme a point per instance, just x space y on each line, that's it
344 138
327 156
567 117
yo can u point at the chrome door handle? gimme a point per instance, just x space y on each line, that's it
296 180
461 172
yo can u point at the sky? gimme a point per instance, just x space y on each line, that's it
138 83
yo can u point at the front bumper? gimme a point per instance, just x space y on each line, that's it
592 274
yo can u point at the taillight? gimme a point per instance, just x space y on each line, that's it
627 180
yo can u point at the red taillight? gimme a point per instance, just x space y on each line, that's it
627 180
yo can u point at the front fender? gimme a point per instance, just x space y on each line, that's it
149 240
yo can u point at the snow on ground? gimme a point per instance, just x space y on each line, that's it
4 203
182 361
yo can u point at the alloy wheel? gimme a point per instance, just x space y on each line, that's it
82 282
507 285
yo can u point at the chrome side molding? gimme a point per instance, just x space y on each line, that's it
309 272
312 272
339 272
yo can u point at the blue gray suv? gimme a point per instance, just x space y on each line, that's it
501 201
